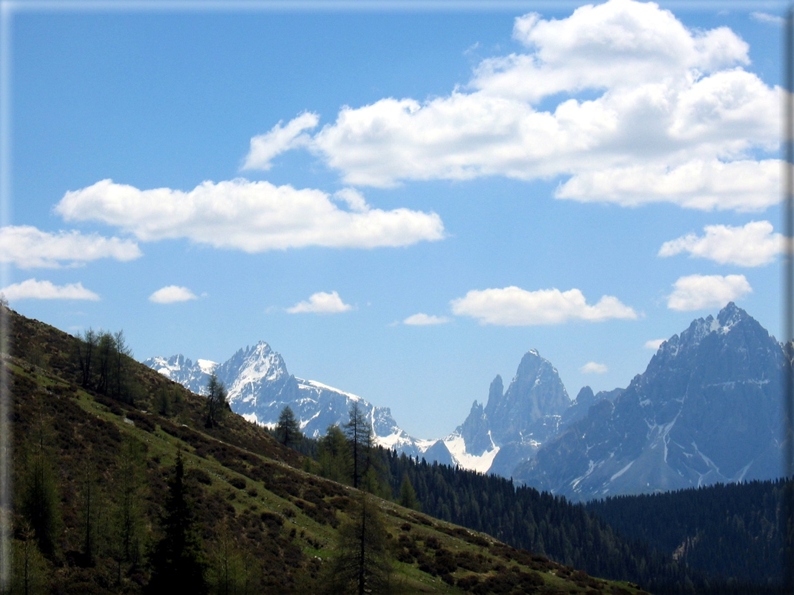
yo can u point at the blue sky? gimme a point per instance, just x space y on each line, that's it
401 202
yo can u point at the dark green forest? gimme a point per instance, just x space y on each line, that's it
718 539
734 533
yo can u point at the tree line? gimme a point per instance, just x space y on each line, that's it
103 359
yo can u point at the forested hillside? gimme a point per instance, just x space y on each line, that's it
125 482
720 540
733 531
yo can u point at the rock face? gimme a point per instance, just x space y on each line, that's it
514 423
707 409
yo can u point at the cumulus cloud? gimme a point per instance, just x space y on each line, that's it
593 368
280 138
321 303
698 292
421 319
741 185
513 306
28 247
654 344
671 115
752 245
172 294
249 216
32 289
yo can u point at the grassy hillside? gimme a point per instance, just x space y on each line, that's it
262 524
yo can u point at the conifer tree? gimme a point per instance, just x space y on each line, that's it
39 501
408 494
216 402
333 455
127 522
178 563
288 429
359 436
362 563
30 570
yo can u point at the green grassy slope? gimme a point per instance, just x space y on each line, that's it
258 513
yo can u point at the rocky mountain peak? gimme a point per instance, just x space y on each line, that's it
535 391
585 396
731 315
706 410
496 390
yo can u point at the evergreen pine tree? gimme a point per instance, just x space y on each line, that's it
177 564
288 430
333 455
408 494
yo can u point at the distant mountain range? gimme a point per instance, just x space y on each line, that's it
707 409
260 387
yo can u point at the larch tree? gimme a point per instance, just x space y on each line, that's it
216 402
362 561
359 436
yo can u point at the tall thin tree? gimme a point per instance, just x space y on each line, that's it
178 560
359 436
216 402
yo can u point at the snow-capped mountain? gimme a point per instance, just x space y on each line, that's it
182 370
259 387
513 423
707 409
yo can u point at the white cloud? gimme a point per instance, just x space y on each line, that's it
593 368
705 185
671 116
421 319
321 303
249 216
280 139
697 292
513 306
772 19
752 245
28 247
654 344
31 289
171 294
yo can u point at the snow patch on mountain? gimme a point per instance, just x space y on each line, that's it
456 445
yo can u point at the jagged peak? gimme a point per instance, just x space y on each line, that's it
259 348
730 315
585 394
727 318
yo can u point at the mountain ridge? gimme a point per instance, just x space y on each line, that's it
706 410
516 431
